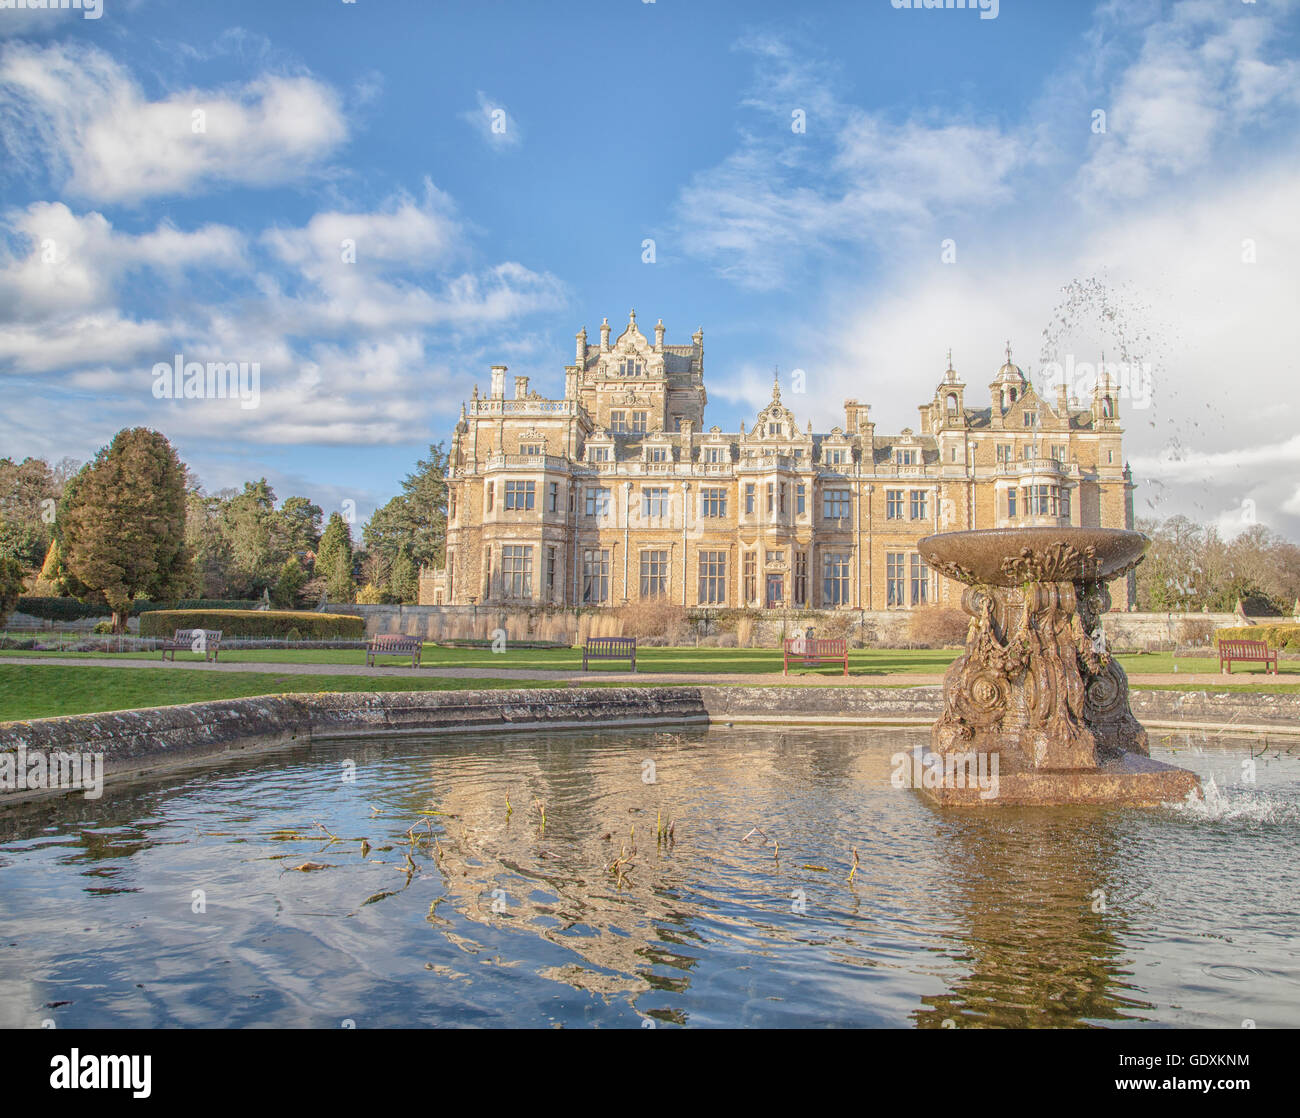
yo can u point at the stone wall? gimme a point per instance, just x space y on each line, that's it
144 742
870 628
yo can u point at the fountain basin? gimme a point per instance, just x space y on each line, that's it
1013 556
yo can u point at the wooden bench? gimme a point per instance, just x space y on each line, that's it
394 646
813 652
609 648
207 641
1256 652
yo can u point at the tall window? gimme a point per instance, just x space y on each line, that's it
771 498
595 576
654 573
749 499
751 576
895 579
713 502
451 505
893 504
1031 419
597 501
835 578
517 571
550 572
835 504
629 368
800 578
638 422
554 491
618 422
1065 502
918 504
800 499
920 580
491 493
1005 452
519 494
1011 502
654 501
780 499
713 578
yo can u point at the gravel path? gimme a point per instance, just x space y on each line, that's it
1208 680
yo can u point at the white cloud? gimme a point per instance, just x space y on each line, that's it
81 110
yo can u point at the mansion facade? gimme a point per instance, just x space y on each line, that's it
617 493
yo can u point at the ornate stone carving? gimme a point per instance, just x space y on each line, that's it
1036 683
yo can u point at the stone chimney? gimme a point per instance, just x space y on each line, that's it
604 335
498 382
659 336
521 388
581 354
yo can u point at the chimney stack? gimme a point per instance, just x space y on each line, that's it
498 382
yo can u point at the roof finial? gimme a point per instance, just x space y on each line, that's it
776 384
1008 351
631 316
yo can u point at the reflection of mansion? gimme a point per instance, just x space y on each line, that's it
618 493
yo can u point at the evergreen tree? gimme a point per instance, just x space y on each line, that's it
289 584
334 559
122 532
403 581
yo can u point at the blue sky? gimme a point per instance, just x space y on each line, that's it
129 233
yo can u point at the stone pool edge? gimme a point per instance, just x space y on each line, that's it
142 743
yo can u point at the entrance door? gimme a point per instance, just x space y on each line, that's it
775 590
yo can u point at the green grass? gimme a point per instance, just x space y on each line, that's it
708 661
44 691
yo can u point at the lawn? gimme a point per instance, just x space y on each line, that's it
707 661
40 691
43 691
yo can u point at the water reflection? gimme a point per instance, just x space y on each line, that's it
413 895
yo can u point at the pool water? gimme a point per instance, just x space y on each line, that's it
390 885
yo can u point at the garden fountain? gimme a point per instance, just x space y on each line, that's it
1036 690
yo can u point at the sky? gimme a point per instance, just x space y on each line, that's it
375 201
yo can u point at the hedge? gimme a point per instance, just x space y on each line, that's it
72 609
1286 636
235 623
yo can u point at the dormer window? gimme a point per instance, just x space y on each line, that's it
658 454
715 454
1031 419
531 448
905 457
833 457
599 453
774 428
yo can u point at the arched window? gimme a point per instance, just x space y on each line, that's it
952 403
1108 407
1013 395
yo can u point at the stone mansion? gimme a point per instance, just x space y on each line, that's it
618 493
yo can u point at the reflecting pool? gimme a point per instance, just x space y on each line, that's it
678 877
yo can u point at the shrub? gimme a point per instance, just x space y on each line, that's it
11 586
938 627
1194 632
657 618
1275 636
256 623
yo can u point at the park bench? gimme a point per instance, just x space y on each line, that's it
813 652
391 645
609 648
1256 652
207 641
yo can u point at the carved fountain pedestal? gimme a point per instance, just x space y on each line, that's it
1036 697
